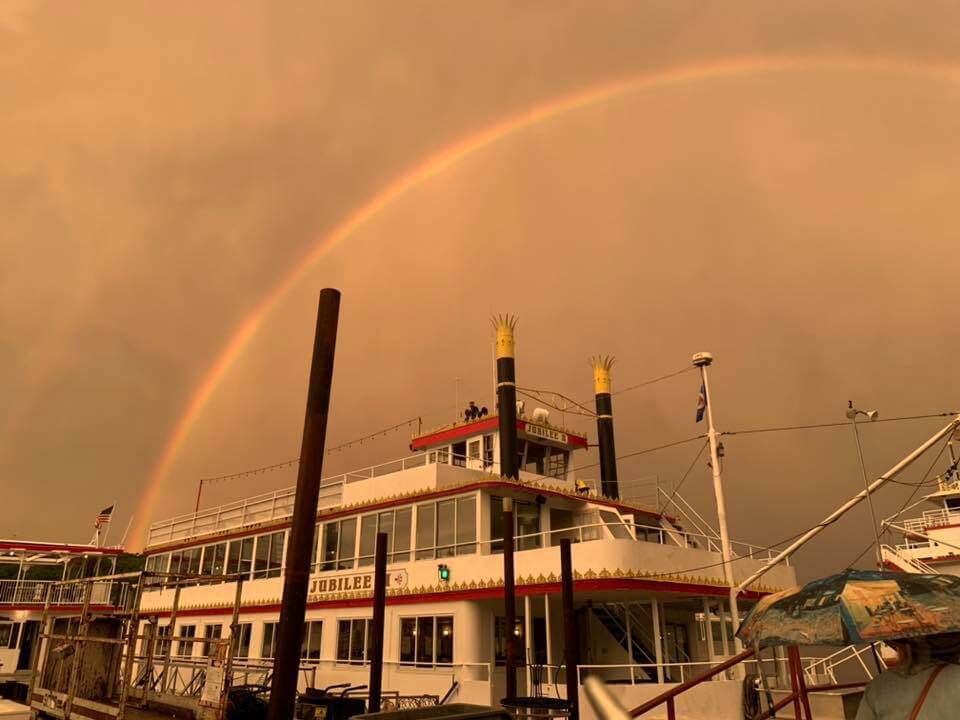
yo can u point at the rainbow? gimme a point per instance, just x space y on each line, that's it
437 164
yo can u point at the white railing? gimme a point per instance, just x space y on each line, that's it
34 592
269 506
678 672
905 562
826 667
932 519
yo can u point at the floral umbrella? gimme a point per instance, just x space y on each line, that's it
855 606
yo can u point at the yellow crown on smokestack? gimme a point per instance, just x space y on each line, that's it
504 325
601 373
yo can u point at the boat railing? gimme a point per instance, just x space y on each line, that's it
904 561
826 667
932 519
269 506
34 592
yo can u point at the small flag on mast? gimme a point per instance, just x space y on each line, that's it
701 402
104 517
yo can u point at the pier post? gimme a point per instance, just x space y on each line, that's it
377 624
571 639
293 605
509 600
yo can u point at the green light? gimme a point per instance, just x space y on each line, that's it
444 572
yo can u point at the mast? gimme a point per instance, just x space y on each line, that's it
702 360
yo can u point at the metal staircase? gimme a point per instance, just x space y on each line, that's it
616 618
902 562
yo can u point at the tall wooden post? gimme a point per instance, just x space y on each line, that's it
377 624
297 573
571 638
509 600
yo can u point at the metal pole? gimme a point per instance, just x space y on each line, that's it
852 502
132 632
297 573
528 642
199 490
866 484
571 639
171 628
703 360
509 600
78 655
234 645
35 654
378 624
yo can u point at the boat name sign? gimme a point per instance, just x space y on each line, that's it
546 433
322 586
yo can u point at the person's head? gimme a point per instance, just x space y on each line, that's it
942 647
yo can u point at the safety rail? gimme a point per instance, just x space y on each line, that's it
932 519
34 592
826 666
798 695
905 562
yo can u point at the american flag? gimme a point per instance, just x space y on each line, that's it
104 517
701 402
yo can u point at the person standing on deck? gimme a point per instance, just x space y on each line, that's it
924 685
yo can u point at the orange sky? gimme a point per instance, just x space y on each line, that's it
164 171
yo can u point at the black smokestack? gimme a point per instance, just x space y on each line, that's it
507 395
608 453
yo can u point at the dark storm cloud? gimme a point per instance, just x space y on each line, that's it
164 169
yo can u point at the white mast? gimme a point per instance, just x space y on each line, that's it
702 360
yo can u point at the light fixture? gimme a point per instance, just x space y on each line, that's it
444 572
446 631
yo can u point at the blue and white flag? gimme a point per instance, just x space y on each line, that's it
701 402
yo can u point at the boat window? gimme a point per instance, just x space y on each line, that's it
348 543
473 450
310 644
241 641
396 524
6 630
402 525
331 538
459 453
268 645
953 503
240 556
466 525
190 561
526 520
426 640
353 640
211 633
164 632
214 559
615 525
368 539
440 456
185 647
426 530
14 636
500 641
556 463
536 454
447 528
269 555
487 451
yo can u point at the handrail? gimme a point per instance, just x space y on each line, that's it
669 695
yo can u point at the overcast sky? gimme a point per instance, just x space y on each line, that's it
165 166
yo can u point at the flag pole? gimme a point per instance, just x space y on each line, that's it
702 360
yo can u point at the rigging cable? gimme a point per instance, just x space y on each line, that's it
685 476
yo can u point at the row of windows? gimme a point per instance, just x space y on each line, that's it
444 528
422 640
438 529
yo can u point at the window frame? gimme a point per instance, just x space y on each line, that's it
349 660
435 622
